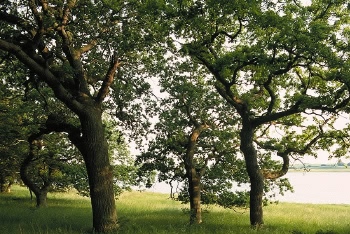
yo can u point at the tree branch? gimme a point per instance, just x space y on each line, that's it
284 154
108 80
232 37
87 47
237 103
275 116
188 112
56 123
13 19
33 7
192 142
60 92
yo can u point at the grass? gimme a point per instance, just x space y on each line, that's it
66 213
154 213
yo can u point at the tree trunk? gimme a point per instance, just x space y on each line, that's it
93 144
94 148
9 185
5 187
40 192
41 198
194 177
194 190
255 175
3 184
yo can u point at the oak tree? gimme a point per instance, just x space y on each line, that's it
189 134
283 68
196 140
75 48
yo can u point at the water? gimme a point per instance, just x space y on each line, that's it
319 188
309 187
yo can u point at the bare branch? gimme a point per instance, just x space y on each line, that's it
232 37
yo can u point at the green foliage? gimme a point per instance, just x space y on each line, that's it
189 100
53 166
231 200
18 119
281 66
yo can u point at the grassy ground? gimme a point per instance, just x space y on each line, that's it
155 213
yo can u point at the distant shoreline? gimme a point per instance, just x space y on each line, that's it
319 169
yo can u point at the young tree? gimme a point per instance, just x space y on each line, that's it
279 65
17 120
192 135
75 48
12 139
41 170
196 140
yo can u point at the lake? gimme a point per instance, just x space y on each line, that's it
309 187
318 187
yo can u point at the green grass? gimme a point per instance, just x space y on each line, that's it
66 213
155 213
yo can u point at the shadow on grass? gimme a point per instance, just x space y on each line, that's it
45 220
171 221
19 215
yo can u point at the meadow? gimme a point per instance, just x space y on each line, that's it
145 212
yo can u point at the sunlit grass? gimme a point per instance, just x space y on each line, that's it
156 213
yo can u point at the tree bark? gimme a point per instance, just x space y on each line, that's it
255 175
94 148
3 184
2 188
194 190
39 192
92 143
41 198
194 176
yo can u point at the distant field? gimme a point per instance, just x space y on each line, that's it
141 212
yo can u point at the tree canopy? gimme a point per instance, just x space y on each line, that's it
281 66
75 49
281 69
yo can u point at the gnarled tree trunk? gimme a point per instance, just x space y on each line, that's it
39 192
94 148
194 176
3 184
255 175
41 197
